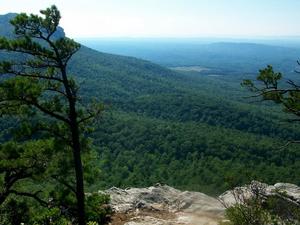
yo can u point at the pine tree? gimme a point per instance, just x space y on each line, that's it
270 87
35 80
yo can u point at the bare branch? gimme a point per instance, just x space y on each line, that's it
290 82
56 90
289 143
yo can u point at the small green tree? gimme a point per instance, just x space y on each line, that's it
264 209
35 81
269 88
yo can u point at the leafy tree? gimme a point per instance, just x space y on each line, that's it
35 81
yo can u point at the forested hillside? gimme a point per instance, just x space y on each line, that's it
189 131
181 129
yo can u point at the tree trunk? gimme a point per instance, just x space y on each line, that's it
78 167
76 148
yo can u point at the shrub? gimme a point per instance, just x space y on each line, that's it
256 207
97 208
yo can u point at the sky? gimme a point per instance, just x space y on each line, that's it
169 18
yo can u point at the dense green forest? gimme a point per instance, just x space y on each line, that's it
139 151
187 130
190 131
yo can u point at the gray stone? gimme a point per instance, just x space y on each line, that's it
180 207
164 205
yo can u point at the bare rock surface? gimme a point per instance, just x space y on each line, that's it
292 191
164 205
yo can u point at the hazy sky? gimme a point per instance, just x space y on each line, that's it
169 18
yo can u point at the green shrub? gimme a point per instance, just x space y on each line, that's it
97 208
14 212
250 214
92 223
51 216
261 208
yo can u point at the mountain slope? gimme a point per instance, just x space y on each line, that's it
164 126
133 85
120 76
5 28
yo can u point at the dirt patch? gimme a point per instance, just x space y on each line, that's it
199 218
123 218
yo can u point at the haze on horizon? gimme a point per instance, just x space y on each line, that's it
170 18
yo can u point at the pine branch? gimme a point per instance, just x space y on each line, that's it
65 183
46 111
30 195
22 74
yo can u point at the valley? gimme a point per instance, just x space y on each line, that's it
186 129
146 130
183 128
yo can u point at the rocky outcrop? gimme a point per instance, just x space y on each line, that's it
164 205
291 192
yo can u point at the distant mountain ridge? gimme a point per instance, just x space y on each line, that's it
110 67
5 28
230 57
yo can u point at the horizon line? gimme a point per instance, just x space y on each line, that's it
196 37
